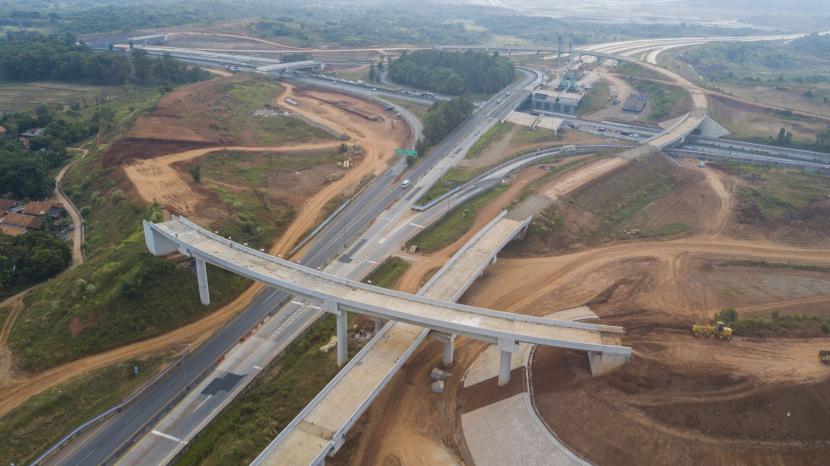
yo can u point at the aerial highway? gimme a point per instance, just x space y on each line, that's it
383 207
113 437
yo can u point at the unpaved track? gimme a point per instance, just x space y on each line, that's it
533 278
74 213
156 180
377 139
22 388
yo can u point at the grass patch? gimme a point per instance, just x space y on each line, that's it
235 102
776 194
494 134
116 298
776 325
27 96
664 101
453 225
597 99
638 71
775 265
39 422
453 178
387 274
244 429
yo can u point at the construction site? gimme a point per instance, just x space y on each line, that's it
583 292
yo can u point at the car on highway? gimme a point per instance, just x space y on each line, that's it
406 183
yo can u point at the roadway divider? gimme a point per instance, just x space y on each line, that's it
322 225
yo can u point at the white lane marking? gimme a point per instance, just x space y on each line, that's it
168 437
417 226
200 404
270 297
298 303
372 262
257 368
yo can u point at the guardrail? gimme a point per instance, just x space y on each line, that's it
522 161
100 417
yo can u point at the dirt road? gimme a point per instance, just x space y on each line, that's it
74 213
162 177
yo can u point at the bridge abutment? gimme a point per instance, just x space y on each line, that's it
605 363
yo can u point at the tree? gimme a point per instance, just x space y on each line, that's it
728 315
195 171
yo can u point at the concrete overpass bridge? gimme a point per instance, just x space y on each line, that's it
319 430
340 295
312 65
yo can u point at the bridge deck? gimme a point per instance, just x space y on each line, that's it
312 434
484 324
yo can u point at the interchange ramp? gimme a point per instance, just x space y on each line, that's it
192 240
319 430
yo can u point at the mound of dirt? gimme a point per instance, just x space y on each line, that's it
659 413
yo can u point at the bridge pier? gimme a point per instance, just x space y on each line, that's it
448 353
507 348
201 276
331 307
379 323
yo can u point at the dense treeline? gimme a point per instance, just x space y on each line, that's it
31 257
33 57
26 173
442 118
453 73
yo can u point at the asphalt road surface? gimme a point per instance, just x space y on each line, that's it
112 438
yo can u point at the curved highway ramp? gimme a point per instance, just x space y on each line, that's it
320 428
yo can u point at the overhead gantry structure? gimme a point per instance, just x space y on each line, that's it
338 296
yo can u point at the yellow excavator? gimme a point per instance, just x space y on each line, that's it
720 330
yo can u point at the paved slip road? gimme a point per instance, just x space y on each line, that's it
109 440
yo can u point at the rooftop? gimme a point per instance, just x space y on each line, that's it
22 220
12 230
38 208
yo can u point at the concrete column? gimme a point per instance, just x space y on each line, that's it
342 333
504 368
379 323
507 347
449 351
201 275
493 262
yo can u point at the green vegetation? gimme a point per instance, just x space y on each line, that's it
42 420
638 71
388 273
252 187
363 26
238 434
121 294
35 57
442 118
30 258
493 135
453 73
597 99
453 178
777 195
24 175
775 265
775 325
27 96
801 60
236 101
664 101
453 225
117 297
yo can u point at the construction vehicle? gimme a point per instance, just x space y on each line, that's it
720 330
824 356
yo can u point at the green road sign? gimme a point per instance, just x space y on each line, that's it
406 152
